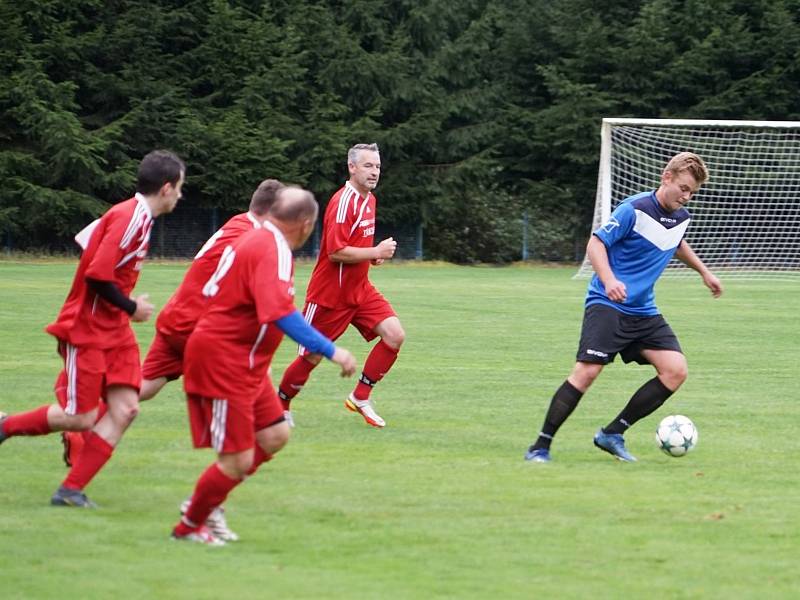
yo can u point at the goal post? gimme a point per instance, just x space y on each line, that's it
745 219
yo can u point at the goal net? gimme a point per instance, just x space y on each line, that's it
745 219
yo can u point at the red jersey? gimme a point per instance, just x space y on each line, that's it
231 347
182 310
349 221
116 247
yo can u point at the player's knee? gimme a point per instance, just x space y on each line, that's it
395 337
127 413
584 374
275 438
674 374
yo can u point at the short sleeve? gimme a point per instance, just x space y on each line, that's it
619 225
338 230
109 252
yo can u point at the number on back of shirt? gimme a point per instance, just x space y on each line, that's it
223 266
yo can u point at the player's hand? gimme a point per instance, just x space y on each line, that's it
144 309
345 360
616 291
377 261
713 283
385 249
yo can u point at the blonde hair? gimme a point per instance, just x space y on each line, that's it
688 161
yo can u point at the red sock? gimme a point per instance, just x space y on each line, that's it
211 490
259 457
33 422
379 361
96 452
294 378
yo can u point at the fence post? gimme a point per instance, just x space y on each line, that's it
525 234
418 251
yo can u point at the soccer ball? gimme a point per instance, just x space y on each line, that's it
676 435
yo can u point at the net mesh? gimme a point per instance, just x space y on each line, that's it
745 219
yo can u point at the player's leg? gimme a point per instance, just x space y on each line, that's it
163 363
77 390
211 490
651 340
122 377
227 426
331 323
271 433
597 347
655 344
375 317
672 371
151 387
272 430
562 404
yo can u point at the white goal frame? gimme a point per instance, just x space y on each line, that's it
745 219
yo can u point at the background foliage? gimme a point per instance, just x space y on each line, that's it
483 108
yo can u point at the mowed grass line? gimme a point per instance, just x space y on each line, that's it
439 504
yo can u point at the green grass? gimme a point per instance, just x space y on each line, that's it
439 504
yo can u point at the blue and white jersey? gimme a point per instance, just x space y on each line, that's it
640 238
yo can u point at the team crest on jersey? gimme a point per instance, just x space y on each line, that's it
610 225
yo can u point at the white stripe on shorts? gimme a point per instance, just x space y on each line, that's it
71 367
219 415
309 316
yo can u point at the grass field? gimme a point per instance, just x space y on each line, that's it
439 504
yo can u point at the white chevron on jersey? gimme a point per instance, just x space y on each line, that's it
658 235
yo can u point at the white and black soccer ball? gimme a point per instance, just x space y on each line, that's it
676 435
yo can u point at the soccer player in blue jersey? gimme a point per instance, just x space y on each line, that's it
628 253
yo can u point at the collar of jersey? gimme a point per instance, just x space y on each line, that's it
143 201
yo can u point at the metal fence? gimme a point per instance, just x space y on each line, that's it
181 233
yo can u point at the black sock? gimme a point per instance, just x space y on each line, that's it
563 403
646 399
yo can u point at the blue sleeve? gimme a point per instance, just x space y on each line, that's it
619 224
295 326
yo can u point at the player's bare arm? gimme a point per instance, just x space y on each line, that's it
350 254
687 256
598 256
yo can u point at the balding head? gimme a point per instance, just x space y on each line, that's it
294 212
264 196
293 204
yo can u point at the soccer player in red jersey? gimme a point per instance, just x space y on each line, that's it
233 407
340 293
95 339
164 361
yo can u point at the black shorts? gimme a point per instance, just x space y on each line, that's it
607 331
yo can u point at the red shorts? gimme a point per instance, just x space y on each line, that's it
332 322
165 357
88 372
230 424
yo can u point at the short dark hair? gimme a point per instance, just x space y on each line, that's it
156 169
264 196
293 203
